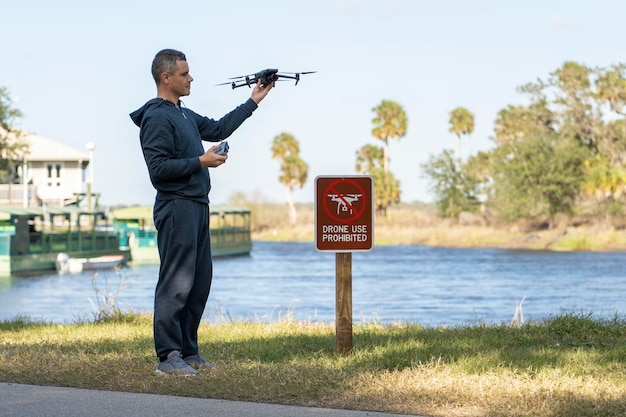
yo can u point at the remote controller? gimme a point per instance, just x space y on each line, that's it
222 148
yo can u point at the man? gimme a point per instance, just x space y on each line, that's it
171 140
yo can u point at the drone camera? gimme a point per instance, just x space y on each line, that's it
269 78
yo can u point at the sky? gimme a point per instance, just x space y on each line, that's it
76 69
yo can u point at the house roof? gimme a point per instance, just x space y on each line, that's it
48 150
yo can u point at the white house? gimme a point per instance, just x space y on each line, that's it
51 173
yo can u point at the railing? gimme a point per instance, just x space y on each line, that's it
45 242
223 235
230 235
13 194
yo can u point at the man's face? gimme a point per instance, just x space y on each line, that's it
180 81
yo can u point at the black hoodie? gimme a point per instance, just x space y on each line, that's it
171 140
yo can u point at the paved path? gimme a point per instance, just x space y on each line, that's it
43 401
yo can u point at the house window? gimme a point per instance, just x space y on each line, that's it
53 175
17 170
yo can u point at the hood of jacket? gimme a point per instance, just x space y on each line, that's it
138 115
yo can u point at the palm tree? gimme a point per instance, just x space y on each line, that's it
390 122
369 160
461 123
293 170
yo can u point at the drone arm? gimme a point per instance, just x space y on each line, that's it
296 77
249 81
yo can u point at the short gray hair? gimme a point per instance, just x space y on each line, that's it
165 61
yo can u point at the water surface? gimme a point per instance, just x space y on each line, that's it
431 286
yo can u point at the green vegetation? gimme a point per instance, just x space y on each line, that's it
369 160
390 122
12 148
455 191
560 155
570 365
461 123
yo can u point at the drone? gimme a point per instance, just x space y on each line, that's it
267 76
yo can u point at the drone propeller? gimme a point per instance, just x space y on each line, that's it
242 77
301 72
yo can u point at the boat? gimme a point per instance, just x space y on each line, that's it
230 229
66 264
31 238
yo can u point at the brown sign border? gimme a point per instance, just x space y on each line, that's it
367 210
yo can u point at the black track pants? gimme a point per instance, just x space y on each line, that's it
185 274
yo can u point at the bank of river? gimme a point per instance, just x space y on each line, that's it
451 235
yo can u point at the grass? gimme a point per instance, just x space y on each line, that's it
578 240
569 365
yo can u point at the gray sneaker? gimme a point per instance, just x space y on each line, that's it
196 361
175 365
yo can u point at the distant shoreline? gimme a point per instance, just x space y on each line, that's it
419 225
558 239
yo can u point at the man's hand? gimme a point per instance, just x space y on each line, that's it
260 91
211 159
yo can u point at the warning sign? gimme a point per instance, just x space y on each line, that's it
343 213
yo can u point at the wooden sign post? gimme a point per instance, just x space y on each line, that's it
343 305
343 224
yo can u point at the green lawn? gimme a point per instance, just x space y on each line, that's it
570 365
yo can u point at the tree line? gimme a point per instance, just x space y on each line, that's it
12 148
562 153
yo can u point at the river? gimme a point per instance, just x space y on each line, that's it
419 284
